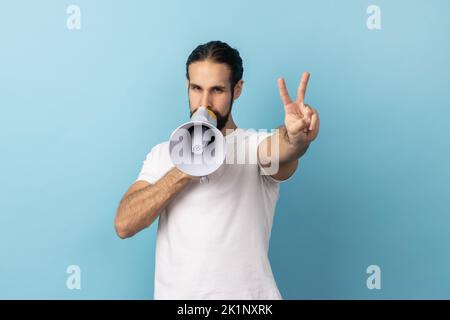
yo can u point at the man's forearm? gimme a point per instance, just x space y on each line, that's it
139 209
286 153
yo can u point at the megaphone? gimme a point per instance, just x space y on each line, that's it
197 147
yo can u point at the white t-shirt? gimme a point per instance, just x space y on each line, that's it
213 239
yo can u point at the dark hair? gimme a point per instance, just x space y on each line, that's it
219 52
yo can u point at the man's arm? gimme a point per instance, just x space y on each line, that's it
293 139
142 203
287 156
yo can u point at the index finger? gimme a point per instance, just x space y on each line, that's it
283 92
302 87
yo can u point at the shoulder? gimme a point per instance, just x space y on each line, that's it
159 151
156 163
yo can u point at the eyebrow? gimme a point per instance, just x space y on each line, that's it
213 87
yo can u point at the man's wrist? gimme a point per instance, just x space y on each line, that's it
180 176
291 143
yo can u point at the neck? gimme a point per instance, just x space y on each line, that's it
229 126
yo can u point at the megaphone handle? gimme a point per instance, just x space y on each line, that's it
204 180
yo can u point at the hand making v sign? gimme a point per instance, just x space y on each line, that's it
301 120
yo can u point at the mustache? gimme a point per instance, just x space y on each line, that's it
213 111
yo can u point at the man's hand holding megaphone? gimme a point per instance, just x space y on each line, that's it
301 120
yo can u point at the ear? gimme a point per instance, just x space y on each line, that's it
238 89
187 83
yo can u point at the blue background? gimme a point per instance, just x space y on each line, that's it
80 109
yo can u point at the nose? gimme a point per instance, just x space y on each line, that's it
206 100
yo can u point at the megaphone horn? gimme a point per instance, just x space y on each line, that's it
197 147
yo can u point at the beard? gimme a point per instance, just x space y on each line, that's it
221 119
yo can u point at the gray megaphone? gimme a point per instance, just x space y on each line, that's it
197 147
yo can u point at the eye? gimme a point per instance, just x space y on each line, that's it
195 88
218 90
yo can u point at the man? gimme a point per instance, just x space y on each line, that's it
213 239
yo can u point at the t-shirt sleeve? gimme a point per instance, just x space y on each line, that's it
156 164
